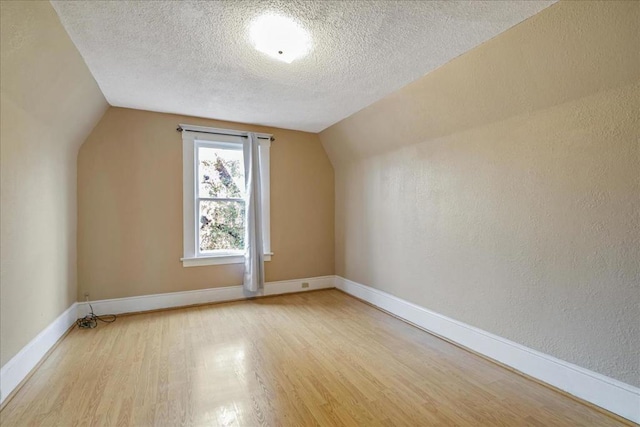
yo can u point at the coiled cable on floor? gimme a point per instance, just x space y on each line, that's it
90 321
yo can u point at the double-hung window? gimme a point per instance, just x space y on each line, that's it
214 195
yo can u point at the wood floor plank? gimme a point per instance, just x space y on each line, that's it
320 358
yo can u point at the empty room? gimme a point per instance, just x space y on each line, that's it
319 213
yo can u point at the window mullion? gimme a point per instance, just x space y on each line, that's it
196 188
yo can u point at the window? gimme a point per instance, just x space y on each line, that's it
214 191
220 198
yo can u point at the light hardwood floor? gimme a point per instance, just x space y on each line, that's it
318 358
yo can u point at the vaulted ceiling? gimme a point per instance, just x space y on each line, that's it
195 58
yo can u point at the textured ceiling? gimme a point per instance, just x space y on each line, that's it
194 58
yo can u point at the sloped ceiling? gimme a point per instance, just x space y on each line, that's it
195 58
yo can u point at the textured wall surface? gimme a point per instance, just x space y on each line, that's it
130 208
50 102
503 189
361 52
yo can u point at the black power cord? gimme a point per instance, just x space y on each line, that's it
90 321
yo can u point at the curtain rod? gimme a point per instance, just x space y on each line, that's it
179 129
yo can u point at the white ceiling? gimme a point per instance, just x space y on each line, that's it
194 58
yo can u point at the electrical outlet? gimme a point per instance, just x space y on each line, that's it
305 284
86 296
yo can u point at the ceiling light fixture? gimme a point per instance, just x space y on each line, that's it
280 37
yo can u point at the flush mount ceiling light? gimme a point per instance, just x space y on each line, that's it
280 37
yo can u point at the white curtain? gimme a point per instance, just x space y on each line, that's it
254 252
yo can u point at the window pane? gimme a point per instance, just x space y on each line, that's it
220 173
221 225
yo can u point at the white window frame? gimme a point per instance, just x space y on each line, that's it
194 137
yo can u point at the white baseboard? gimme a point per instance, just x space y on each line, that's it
203 296
16 369
608 393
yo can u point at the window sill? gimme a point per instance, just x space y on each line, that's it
217 260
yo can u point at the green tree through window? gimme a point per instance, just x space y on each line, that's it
222 210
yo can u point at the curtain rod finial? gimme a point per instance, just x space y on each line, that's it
179 129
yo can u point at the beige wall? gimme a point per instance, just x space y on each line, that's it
130 208
503 189
49 103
